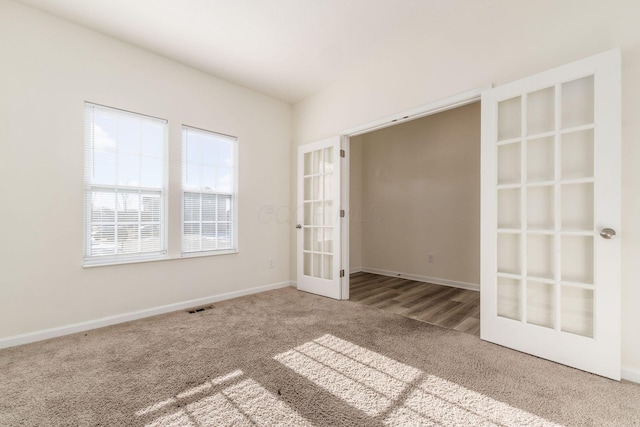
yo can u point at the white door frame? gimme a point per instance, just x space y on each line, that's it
424 110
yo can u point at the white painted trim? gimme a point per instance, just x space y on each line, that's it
631 375
435 107
354 270
345 173
426 279
59 331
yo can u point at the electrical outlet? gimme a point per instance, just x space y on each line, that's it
271 263
430 257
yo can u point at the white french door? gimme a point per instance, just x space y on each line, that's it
551 189
319 227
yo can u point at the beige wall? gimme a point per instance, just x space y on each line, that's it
49 68
420 195
505 42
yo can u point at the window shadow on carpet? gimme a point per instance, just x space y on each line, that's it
384 389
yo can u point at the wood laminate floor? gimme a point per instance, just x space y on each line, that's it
444 306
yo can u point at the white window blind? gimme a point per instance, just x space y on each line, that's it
209 165
125 180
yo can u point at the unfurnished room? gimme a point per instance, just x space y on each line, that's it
319 213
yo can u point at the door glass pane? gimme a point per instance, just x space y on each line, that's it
509 164
577 102
307 164
317 265
328 213
577 259
306 264
577 154
509 119
308 217
328 160
328 240
540 304
308 189
327 267
328 186
307 239
540 214
317 162
541 111
540 160
318 213
577 207
577 310
509 298
509 208
316 193
509 253
540 256
317 239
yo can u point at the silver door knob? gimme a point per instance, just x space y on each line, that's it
607 233
300 226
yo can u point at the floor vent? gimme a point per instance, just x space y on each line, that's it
199 309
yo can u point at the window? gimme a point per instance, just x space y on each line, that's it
209 191
125 180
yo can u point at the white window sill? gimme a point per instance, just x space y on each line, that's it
106 263
207 253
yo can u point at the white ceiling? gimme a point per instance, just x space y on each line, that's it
288 49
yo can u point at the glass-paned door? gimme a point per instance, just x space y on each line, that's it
318 224
550 282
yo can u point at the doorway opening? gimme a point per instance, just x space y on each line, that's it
414 223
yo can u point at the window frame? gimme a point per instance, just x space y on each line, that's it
90 188
234 223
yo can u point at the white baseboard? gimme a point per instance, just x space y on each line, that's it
627 373
126 317
353 270
435 280
631 375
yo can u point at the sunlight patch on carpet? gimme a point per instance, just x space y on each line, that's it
229 400
366 380
177 419
396 393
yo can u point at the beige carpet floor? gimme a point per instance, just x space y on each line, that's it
289 358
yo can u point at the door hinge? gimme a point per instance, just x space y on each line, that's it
341 213
341 273
342 153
